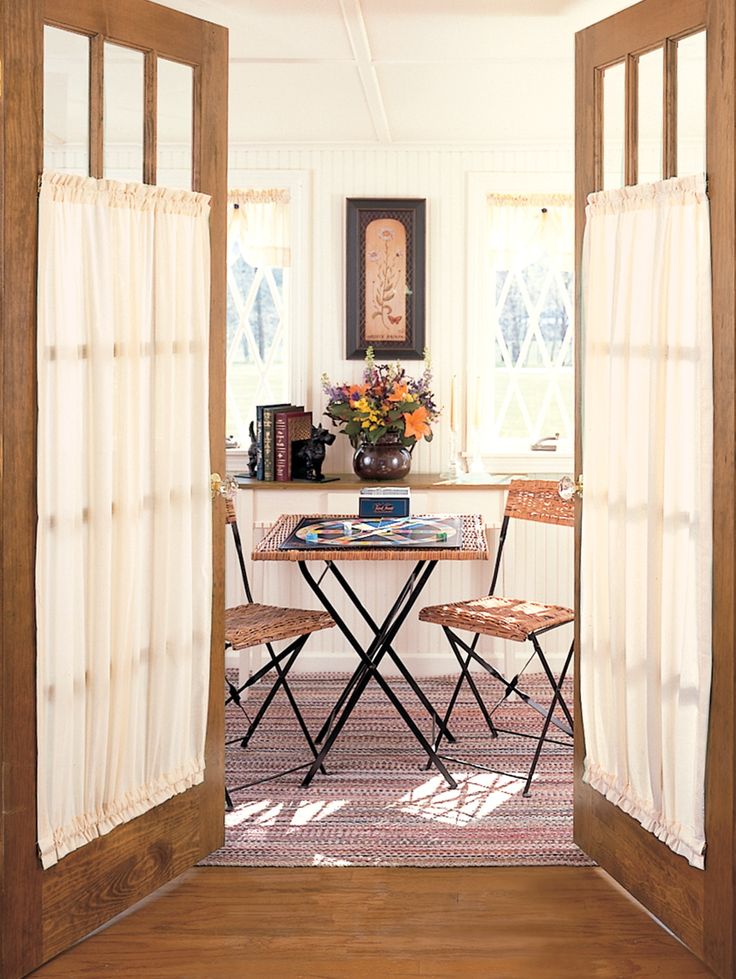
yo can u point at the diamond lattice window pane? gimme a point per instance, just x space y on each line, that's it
536 280
554 317
513 318
534 355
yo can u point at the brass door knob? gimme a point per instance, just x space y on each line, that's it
220 486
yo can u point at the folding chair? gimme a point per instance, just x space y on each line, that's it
253 624
515 619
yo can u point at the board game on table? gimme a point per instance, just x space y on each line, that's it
351 532
425 537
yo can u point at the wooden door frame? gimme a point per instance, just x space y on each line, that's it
697 905
42 912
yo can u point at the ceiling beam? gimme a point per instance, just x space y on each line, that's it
358 36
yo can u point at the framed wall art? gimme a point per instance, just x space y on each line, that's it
385 277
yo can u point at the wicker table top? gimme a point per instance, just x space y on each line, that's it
474 546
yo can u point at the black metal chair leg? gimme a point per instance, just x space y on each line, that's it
464 675
555 699
292 701
296 646
465 670
234 692
448 714
550 676
511 686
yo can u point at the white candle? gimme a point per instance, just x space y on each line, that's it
452 404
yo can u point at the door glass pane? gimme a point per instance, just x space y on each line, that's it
175 99
691 104
614 119
123 89
651 116
65 101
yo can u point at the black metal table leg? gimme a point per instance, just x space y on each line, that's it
396 659
372 658
341 624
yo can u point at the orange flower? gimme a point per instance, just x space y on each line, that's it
356 391
416 424
399 393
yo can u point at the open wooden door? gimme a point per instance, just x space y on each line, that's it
43 912
697 905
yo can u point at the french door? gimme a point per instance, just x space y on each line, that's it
43 912
612 57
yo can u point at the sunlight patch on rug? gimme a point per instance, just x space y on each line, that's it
476 795
309 812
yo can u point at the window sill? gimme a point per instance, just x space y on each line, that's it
524 463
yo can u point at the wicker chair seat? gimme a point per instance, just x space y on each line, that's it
505 618
254 624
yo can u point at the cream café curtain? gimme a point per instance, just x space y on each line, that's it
646 575
123 564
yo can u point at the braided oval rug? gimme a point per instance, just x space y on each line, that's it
378 806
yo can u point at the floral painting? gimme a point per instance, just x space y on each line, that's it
385 277
385 280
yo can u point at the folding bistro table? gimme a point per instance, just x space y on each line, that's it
425 540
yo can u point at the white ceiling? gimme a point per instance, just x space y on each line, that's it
400 71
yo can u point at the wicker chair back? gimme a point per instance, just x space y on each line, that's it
538 500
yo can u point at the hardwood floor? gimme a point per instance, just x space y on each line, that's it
341 923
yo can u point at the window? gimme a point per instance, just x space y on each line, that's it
258 304
526 325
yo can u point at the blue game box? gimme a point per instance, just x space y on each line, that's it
384 501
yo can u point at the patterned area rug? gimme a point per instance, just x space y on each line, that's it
378 806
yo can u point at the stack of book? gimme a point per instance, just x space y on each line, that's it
278 428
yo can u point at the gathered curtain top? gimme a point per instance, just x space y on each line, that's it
269 195
674 191
531 200
259 223
71 188
524 229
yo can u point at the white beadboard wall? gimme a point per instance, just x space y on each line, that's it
439 174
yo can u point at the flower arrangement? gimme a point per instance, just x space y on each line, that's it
388 402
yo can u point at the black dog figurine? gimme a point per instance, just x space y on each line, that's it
310 455
252 452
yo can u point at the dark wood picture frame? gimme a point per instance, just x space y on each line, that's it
385 277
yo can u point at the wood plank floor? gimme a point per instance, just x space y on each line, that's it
340 923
